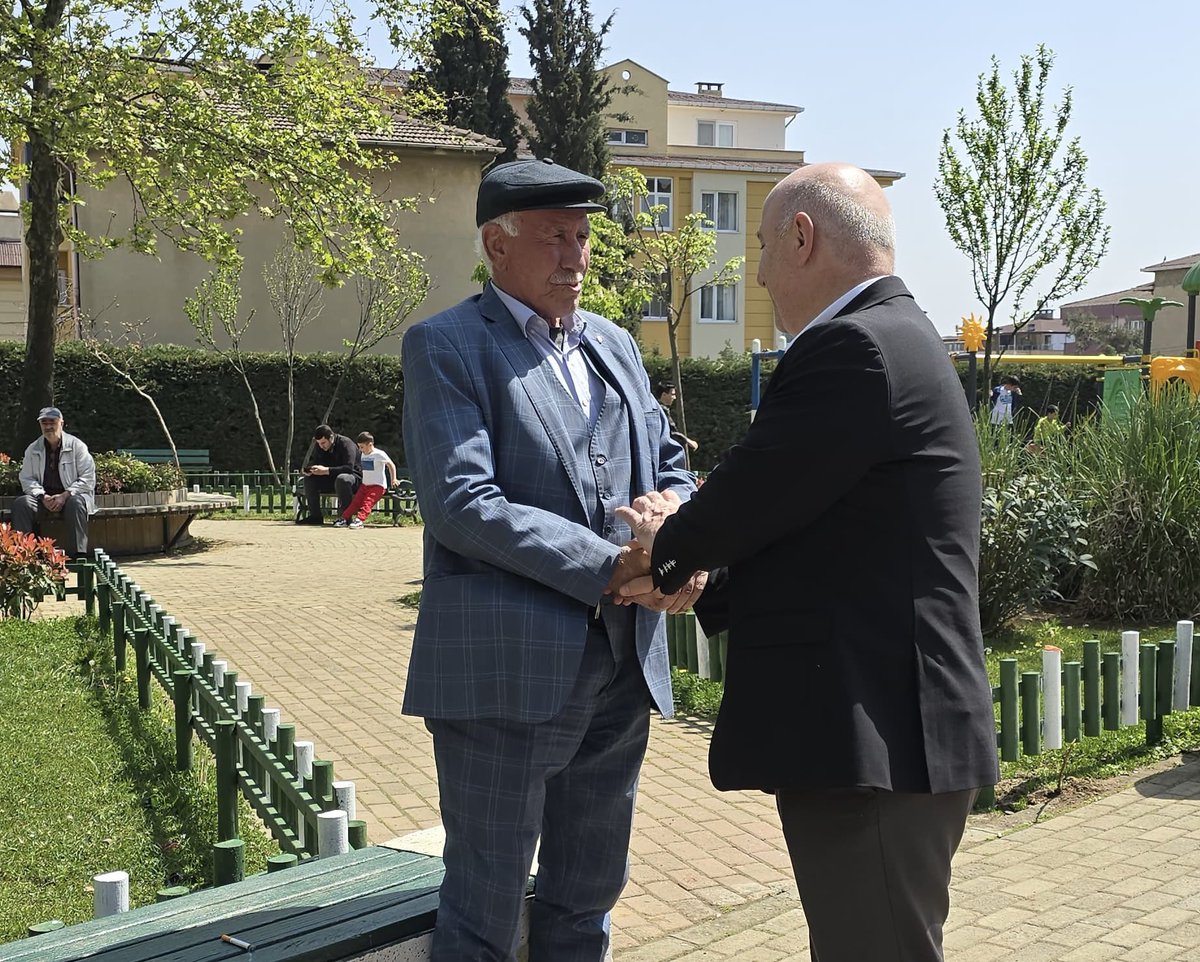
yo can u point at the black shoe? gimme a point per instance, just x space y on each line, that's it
311 519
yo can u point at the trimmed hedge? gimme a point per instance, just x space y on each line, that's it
205 403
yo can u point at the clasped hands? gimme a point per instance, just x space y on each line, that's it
631 583
54 502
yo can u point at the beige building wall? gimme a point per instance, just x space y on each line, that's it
1169 336
761 130
709 338
12 305
124 286
646 106
760 312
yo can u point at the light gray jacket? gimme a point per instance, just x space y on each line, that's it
75 467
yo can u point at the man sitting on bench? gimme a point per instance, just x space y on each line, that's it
335 466
58 477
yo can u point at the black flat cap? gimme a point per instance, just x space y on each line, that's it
535 185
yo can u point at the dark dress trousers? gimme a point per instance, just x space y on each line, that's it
847 525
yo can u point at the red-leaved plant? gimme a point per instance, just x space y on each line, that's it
30 567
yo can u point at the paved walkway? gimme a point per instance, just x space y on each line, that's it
311 617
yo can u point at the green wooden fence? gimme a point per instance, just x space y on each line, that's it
260 492
1039 710
304 808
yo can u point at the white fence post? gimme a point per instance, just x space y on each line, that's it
242 689
1129 677
333 833
344 798
110 894
219 668
703 669
1183 663
1052 728
246 497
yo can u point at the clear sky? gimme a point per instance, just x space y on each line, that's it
880 82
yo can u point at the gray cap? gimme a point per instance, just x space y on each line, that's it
49 413
535 185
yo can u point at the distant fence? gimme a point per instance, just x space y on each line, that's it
1039 710
259 491
295 794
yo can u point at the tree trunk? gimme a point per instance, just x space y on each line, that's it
987 353
291 425
672 330
43 237
258 420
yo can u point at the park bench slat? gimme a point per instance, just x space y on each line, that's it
315 882
375 911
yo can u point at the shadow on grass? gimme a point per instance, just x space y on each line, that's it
179 807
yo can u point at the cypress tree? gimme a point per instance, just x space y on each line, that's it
567 119
467 64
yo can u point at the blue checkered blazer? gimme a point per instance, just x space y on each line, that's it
511 565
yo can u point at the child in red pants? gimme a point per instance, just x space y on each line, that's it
378 474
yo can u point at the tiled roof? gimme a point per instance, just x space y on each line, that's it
10 253
407 132
708 100
1103 300
1180 263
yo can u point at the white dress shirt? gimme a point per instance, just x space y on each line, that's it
570 364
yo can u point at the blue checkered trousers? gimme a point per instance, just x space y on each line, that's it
539 709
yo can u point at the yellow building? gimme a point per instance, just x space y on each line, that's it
706 152
12 290
441 166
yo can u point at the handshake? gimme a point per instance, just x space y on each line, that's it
631 583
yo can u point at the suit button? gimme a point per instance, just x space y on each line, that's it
608 529
601 460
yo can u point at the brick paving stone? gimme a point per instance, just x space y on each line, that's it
709 874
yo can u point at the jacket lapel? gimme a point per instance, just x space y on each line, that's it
600 352
539 384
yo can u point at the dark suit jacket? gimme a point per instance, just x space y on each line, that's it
848 518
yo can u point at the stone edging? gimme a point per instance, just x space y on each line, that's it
122 500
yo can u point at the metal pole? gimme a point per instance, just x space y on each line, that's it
1191 326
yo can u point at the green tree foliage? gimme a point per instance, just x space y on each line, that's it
570 94
671 265
466 64
1015 196
202 112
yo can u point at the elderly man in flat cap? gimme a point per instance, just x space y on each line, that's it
527 422
58 477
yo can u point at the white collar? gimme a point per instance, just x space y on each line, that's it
832 310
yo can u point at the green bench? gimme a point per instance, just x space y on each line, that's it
338 907
195 459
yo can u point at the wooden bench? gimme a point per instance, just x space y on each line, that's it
371 904
194 458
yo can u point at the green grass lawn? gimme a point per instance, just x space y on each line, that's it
87 782
1034 777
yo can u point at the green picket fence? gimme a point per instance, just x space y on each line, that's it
260 492
305 809
689 648
1039 710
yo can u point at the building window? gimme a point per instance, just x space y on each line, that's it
63 289
720 207
658 308
718 303
710 133
630 138
658 191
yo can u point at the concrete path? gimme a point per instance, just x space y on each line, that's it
311 616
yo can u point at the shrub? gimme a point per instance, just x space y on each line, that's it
1031 541
114 473
1137 480
30 567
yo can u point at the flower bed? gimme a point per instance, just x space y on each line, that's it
121 481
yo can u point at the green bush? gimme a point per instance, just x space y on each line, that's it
115 473
1137 480
1031 541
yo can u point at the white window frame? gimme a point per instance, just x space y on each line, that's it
619 136
716 126
655 197
716 206
713 292
646 316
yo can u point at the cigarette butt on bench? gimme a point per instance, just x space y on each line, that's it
240 943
